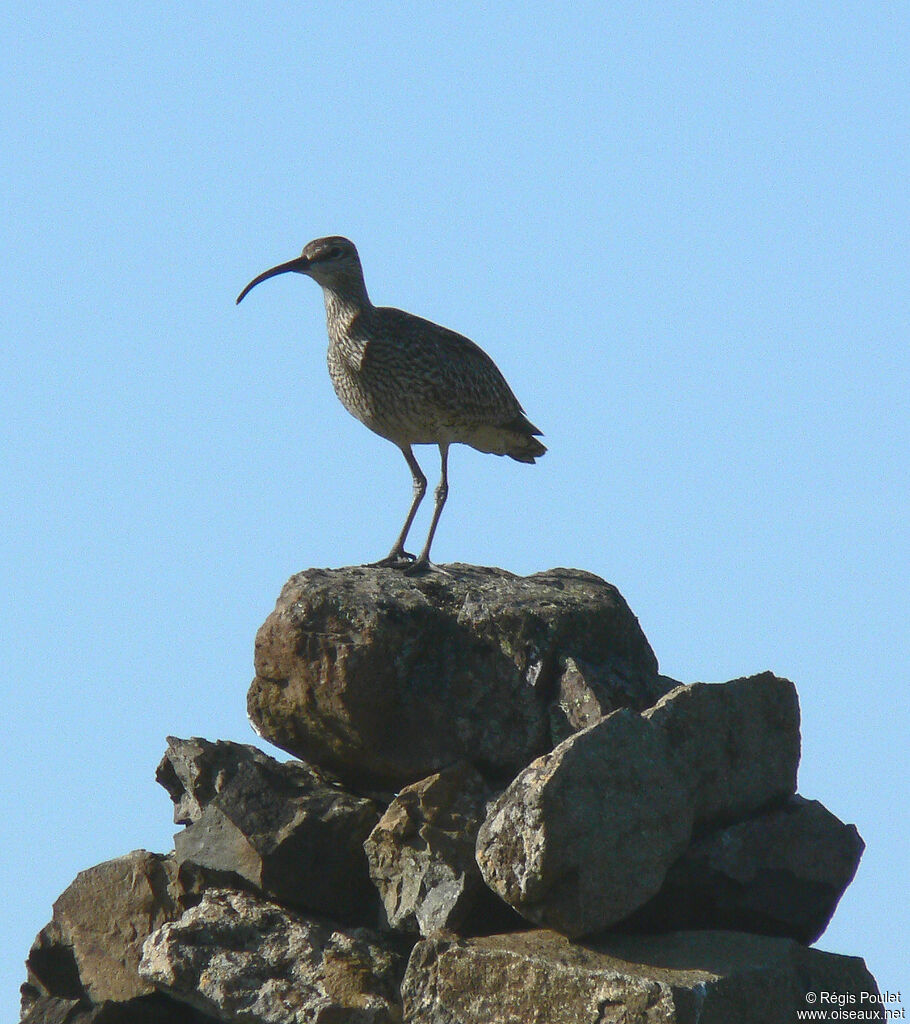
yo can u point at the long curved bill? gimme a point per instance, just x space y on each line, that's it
297 265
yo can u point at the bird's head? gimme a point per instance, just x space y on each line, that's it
332 262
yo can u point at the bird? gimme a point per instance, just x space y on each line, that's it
409 380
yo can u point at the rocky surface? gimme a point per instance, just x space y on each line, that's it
479 746
780 873
282 829
737 744
683 978
421 856
241 958
387 678
586 833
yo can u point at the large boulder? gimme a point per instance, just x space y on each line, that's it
386 678
421 856
585 834
736 744
683 978
238 957
779 873
282 829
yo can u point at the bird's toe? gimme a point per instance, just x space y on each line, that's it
422 567
397 559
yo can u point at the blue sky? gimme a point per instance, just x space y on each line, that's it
681 229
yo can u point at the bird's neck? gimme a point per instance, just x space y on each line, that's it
344 302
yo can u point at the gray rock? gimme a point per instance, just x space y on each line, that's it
283 829
736 744
39 1009
238 957
779 873
585 694
585 834
386 678
51 1010
89 953
683 978
422 862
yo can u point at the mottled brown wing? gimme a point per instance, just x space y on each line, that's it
453 372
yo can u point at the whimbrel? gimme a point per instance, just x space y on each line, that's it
409 380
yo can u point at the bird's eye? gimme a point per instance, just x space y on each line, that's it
334 254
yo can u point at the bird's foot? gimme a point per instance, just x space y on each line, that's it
395 559
422 566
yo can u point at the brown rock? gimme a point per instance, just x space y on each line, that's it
422 862
585 834
52 968
779 873
38 1009
683 978
151 1009
283 829
238 957
736 744
90 951
386 678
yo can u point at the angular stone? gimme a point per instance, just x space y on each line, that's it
238 957
736 744
38 1009
585 834
585 694
151 1009
683 978
283 829
89 953
422 862
386 678
779 873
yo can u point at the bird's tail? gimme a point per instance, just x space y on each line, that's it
517 439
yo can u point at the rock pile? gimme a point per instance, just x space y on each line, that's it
502 813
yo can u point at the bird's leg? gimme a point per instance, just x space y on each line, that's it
398 557
442 490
